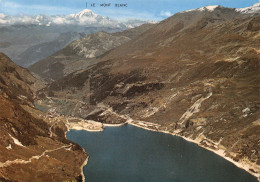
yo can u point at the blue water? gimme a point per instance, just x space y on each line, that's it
131 154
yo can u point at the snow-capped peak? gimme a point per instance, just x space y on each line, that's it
205 8
208 8
86 12
252 9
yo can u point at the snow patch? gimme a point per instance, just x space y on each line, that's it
17 142
9 147
246 110
85 12
208 8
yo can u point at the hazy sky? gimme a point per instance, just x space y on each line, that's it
141 9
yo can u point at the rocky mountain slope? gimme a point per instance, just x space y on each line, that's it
195 74
27 44
84 52
31 149
40 51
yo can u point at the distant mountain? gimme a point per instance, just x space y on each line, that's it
40 51
85 17
135 22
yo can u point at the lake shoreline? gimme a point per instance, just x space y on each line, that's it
245 165
80 126
82 166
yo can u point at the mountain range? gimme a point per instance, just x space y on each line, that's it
28 39
85 17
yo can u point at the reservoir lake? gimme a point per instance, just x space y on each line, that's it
131 154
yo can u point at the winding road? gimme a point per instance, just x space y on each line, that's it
21 161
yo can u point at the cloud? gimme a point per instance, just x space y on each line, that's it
166 13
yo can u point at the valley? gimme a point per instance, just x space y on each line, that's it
194 75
